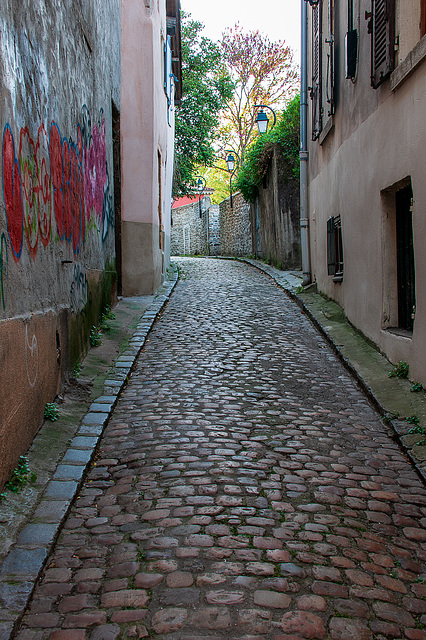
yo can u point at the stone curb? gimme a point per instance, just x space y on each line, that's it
290 281
25 561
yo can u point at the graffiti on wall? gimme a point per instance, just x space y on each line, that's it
3 269
55 179
31 358
79 289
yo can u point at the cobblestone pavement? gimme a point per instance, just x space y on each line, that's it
244 489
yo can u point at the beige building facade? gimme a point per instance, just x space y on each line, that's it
149 92
366 168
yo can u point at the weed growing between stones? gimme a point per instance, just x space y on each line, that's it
19 477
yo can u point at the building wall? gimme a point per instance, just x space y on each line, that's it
235 227
275 217
60 68
371 147
147 148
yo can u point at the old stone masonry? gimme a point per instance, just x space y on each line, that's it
244 489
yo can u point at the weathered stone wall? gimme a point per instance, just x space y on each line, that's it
235 227
214 230
189 236
276 216
59 78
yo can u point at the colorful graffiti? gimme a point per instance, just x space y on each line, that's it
55 175
79 289
3 269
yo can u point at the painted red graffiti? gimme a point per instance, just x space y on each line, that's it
54 174
95 174
36 187
12 194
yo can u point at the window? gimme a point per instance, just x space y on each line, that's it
423 18
405 258
381 26
335 248
322 89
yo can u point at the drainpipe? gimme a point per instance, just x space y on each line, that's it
304 219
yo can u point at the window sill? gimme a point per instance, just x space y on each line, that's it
402 333
407 66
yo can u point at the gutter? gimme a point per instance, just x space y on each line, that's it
304 156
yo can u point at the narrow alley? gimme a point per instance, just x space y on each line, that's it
244 489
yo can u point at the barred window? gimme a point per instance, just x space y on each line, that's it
335 248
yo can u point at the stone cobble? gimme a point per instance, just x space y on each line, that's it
244 489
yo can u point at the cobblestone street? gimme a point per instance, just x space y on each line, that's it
244 489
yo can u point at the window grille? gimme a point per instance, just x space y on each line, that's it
335 248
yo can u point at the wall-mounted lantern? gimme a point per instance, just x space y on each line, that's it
232 162
201 185
262 119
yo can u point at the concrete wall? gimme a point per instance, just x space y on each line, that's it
235 227
147 148
60 72
275 217
373 144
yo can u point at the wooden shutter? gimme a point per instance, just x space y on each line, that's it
383 37
329 84
316 91
422 17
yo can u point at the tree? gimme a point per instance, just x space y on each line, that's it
256 161
206 86
263 73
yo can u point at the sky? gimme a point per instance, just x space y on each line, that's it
278 19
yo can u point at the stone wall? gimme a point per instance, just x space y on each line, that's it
189 236
60 90
235 227
276 216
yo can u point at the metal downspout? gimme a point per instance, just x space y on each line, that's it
304 217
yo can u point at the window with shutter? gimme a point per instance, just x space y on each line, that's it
423 18
382 29
316 90
329 84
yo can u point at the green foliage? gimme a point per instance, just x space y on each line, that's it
19 477
416 387
256 162
400 370
263 73
417 429
412 419
107 315
95 337
77 370
206 86
51 411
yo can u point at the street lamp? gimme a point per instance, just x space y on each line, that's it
262 119
201 185
232 160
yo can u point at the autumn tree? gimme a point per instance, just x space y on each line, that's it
263 73
206 87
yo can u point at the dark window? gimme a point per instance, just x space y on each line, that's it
382 29
335 248
405 258
423 18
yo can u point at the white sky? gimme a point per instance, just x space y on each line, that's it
278 19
